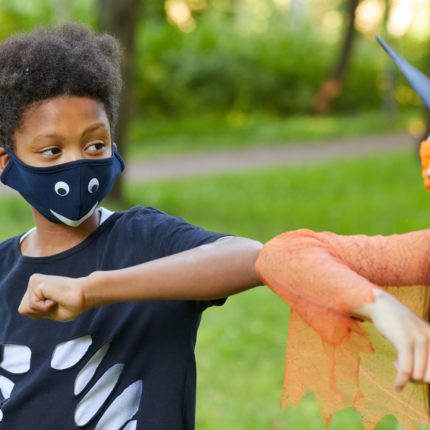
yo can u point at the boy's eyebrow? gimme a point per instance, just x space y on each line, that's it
93 128
89 130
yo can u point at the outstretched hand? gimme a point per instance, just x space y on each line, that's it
53 297
409 334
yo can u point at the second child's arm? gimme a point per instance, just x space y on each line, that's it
326 277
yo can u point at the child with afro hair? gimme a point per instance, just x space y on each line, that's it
134 282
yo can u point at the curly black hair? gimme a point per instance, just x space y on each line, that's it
45 63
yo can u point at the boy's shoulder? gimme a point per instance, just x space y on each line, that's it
142 211
138 221
164 234
147 216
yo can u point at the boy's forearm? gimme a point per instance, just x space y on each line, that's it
211 271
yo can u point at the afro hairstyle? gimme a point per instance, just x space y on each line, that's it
64 61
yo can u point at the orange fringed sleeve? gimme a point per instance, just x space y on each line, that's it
323 276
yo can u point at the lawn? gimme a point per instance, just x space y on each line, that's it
241 345
151 138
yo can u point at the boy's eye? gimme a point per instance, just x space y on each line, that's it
96 146
49 152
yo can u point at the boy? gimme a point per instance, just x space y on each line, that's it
128 365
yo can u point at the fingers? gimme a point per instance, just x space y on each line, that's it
35 304
427 372
33 307
404 365
413 362
54 297
420 357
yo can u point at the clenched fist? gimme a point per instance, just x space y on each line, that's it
53 297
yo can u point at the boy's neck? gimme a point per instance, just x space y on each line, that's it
50 238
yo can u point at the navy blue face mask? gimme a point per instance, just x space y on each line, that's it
68 192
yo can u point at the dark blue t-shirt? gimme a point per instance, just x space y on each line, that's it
122 366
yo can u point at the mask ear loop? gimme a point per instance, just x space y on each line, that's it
425 162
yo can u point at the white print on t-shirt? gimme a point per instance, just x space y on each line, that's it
16 360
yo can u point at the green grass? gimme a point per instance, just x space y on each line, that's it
241 345
155 138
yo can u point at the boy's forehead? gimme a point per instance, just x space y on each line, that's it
63 113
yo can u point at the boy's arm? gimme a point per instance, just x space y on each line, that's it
216 270
326 278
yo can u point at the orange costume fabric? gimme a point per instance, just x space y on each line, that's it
344 361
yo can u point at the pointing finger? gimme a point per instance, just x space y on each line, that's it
404 367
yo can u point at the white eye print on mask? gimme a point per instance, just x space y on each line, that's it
62 188
93 185
428 172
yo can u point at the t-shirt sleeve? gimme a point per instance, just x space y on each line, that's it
172 235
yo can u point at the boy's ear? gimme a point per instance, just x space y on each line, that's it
4 159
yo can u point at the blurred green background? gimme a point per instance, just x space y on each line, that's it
235 67
205 75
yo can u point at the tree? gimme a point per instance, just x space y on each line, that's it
390 70
62 11
120 19
332 86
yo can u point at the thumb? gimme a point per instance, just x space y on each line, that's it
44 304
48 303
44 298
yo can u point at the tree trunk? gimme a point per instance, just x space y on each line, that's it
332 87
297 14
120 18
389 76
61 11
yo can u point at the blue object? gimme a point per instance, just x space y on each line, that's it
419 82
68 192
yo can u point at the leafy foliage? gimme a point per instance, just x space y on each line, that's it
223 65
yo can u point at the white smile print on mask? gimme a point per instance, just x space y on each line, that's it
62 189
68 193
74 223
